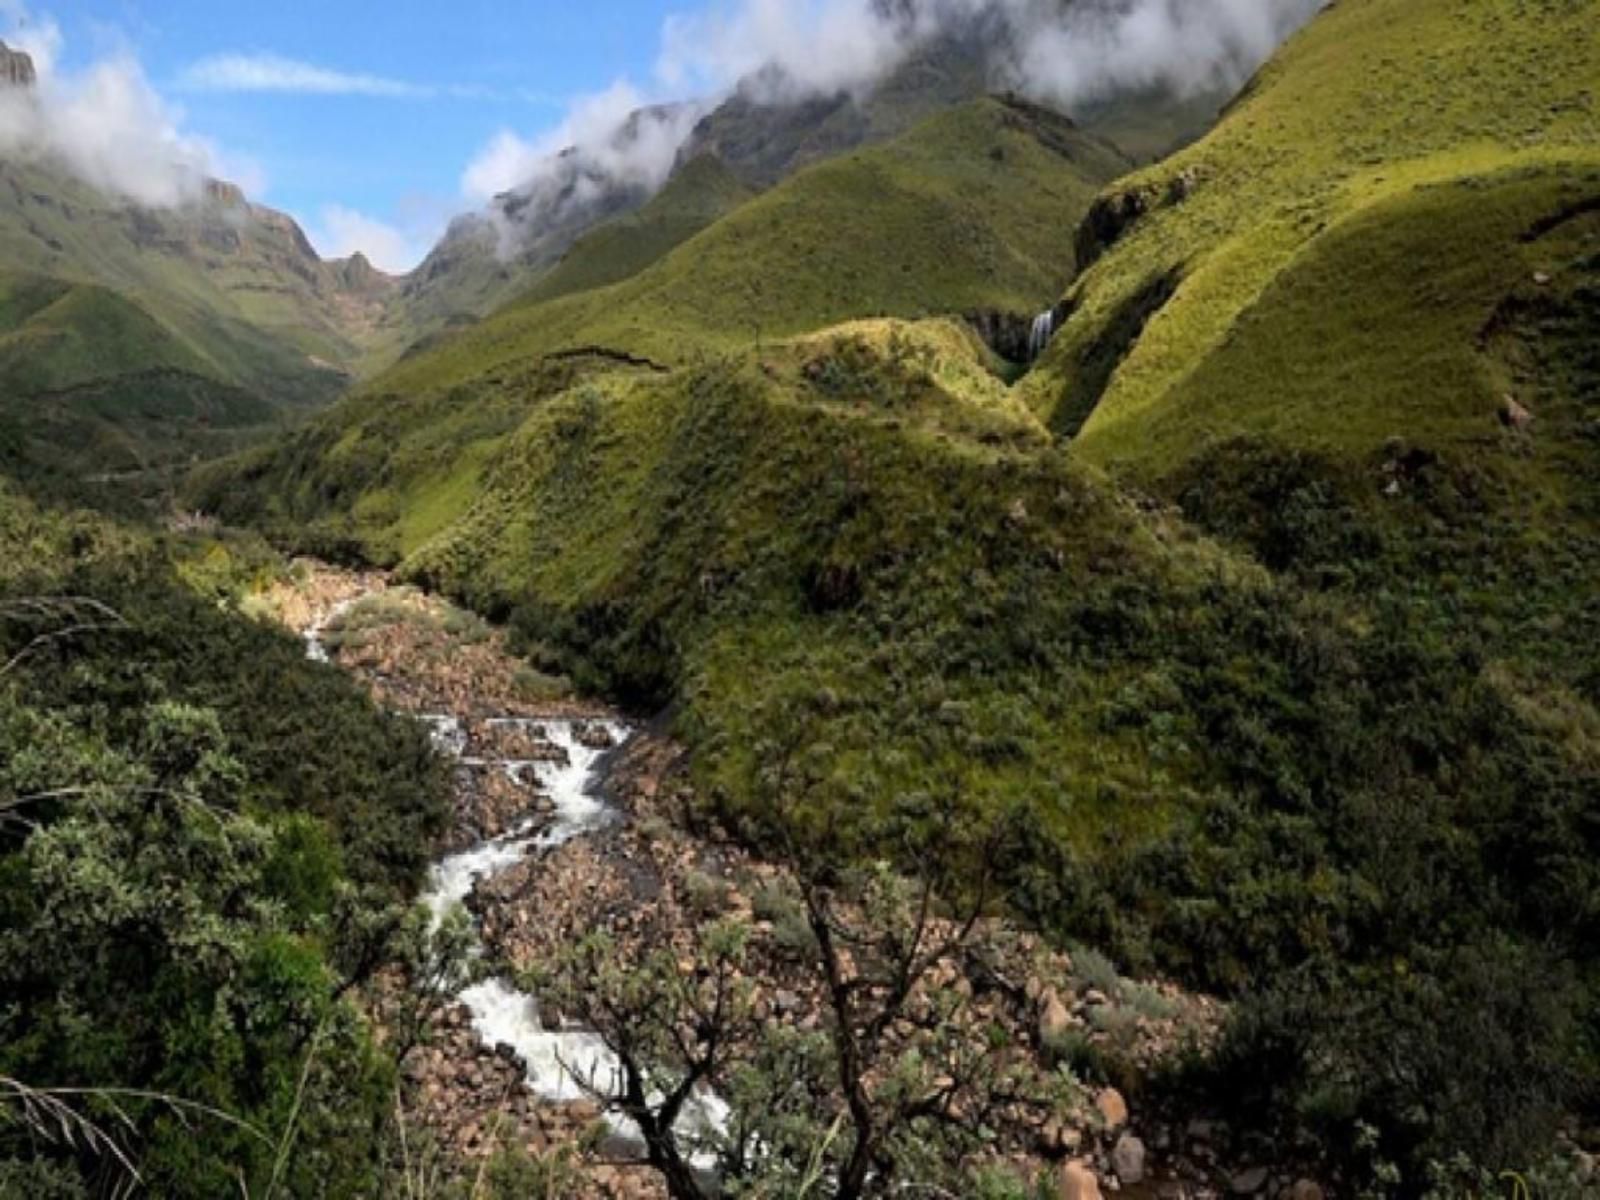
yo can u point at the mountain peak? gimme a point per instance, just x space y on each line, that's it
16 68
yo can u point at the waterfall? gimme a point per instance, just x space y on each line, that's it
1044 328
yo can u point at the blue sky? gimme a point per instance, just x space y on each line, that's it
346 112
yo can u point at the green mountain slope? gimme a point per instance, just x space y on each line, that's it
972 209
239 283
762 135
93 387
698 195
1368 196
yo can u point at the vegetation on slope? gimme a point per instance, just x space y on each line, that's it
699 194
239 285
1380 106
194 873
972 209
93 390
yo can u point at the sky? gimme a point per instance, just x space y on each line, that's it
360 118
374 122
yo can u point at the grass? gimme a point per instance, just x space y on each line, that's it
247 296
698 195
1362 199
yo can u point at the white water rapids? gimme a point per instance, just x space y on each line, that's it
502 1015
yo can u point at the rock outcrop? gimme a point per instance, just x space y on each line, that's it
16 68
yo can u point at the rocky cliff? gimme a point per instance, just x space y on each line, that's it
16 68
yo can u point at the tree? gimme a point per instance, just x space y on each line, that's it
896 1075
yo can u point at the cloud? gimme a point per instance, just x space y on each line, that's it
104 123
1065 52
616 132
273 73
1092 51
343 231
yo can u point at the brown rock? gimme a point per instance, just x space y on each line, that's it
1054 1019
1077 1182
16 68
1513 415
1306 1189
1113 1109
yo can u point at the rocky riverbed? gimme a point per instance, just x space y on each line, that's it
569 819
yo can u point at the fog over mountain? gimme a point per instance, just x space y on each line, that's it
1064 53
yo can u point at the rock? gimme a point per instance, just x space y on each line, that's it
1077 1182
1541 278
1588 1168
1127 1159
1113 1109
1248 1183
1306 1189
786 1002
1054 1019
1513 415
16 68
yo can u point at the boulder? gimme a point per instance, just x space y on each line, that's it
1127 1159
1249 1182
1113 1109
1077 1182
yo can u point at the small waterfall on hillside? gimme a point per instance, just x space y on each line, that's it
1044 328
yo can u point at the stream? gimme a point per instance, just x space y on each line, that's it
572 780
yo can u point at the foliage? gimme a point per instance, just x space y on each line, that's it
183 912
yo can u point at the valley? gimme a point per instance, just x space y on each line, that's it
998 606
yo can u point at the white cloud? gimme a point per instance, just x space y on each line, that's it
273 73
616 132
777 50
343 231
104 123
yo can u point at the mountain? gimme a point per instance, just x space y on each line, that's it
237 281
133 338
766 130
973 209
93 387
1260 612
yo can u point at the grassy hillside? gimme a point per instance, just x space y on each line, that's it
699 194
238 284
972 209
1373 192
101 402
